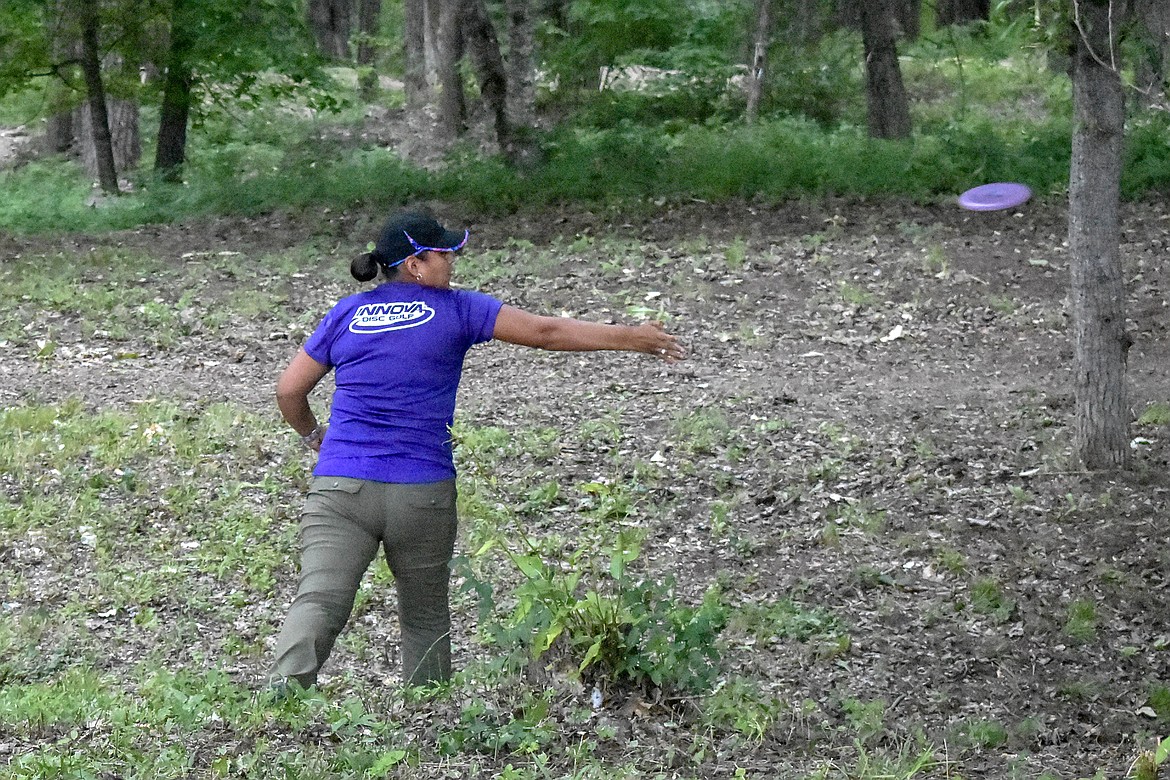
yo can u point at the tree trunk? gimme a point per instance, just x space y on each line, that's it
1153 18
99 117
171 150
452 106
414 30
949 12
59 132
484 48
807 24
331 22
909 18
59 125
432 15
1101 438
521 63
887 106
759 59
125 141
369 13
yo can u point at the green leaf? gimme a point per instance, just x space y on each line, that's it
530 566
388 760
1163 752
590 655
547 637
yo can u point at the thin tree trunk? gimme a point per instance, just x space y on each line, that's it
59 126
807 24
759 59
432 10
452 106
1153 18
888 107
1100 341
521 63
171 149
484 48
95 89
414 29
909 15
369 12
331 22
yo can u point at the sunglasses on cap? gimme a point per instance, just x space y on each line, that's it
419 248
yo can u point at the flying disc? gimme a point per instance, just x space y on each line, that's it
992 197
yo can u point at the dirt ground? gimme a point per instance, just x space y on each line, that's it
916 363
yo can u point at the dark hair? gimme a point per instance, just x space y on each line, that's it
365 267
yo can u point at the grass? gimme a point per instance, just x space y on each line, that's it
163 524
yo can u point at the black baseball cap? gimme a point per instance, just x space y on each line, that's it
410 233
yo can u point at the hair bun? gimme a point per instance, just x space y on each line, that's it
363 267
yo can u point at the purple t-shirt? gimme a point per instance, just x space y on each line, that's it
398 352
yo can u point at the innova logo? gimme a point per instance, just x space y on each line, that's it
381 317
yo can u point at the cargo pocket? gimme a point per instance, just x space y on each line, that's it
432 495
333 497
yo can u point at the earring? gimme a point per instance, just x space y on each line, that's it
418 277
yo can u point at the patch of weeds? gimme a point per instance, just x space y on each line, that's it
738 705
871 577
855 296
608 501
603 432
951 560
788 620
1155 414
522 726
735 254
720 525
984 734
587 607
935 262
862 515
1003 304
866 718
988 598
909 760
1158 700
827 470
480 448
702 432
1019 494
1081 621
1080 690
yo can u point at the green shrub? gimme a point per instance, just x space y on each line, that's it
611 625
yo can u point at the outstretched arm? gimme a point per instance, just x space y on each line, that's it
292 394
568 335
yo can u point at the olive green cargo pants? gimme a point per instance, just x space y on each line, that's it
343 523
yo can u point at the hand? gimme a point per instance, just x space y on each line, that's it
652 338
313 439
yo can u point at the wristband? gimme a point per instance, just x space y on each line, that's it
314 436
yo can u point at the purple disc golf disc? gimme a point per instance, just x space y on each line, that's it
992 197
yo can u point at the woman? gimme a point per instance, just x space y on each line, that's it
385 473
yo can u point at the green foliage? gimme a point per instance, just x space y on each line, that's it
1081 620
1155 414
986 734
816 81
592 611
738 705
988 598
662 33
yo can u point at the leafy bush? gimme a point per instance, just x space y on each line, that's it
610 624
